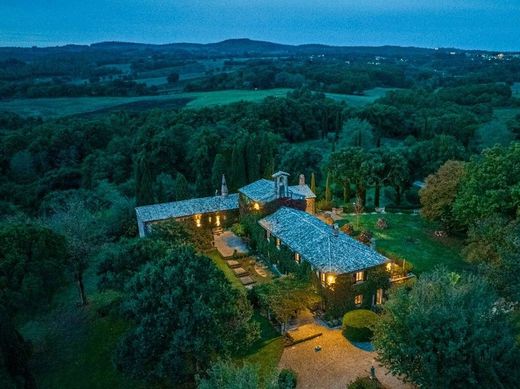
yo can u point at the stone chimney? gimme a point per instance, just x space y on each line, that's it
224 189
302 180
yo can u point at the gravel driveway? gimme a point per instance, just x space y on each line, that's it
337 364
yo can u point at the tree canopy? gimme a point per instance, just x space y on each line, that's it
448 331
186 314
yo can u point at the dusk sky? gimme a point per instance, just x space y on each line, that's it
472 24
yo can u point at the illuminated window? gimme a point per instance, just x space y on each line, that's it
358 300
331 279
278 243
256 206
198 221
217 222
209 219
379 296
297 257
359 276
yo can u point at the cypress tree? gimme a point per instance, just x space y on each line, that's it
143 180
219 168
181 187
328 196
252 159
313 183
238 165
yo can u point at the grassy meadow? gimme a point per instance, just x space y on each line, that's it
412 238
65 106
369 96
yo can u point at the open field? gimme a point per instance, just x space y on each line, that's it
204 99
64 106
411 237
368 97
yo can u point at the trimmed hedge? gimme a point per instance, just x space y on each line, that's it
287 379
365 383
358 324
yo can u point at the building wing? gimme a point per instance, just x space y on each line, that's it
317 243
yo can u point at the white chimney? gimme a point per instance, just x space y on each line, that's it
223 189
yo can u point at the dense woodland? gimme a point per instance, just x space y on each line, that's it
69 186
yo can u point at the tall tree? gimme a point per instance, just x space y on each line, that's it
186 315
313 183
448 332
301 160
32 263
182 190
252 159
490 186
84 233
238 165
397 173
328 196
219 168
440 192
143 180
385 119
357 133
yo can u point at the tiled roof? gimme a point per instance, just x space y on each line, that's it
302 190
263 191
317 243
189 207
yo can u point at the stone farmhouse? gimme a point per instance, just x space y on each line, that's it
287 215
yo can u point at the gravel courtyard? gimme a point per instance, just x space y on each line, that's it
337 364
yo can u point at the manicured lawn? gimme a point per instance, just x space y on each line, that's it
222 265
411 237
267 351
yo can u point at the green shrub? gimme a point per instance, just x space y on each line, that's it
238 229
287 379
358 324
365 383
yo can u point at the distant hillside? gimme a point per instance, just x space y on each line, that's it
230 47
